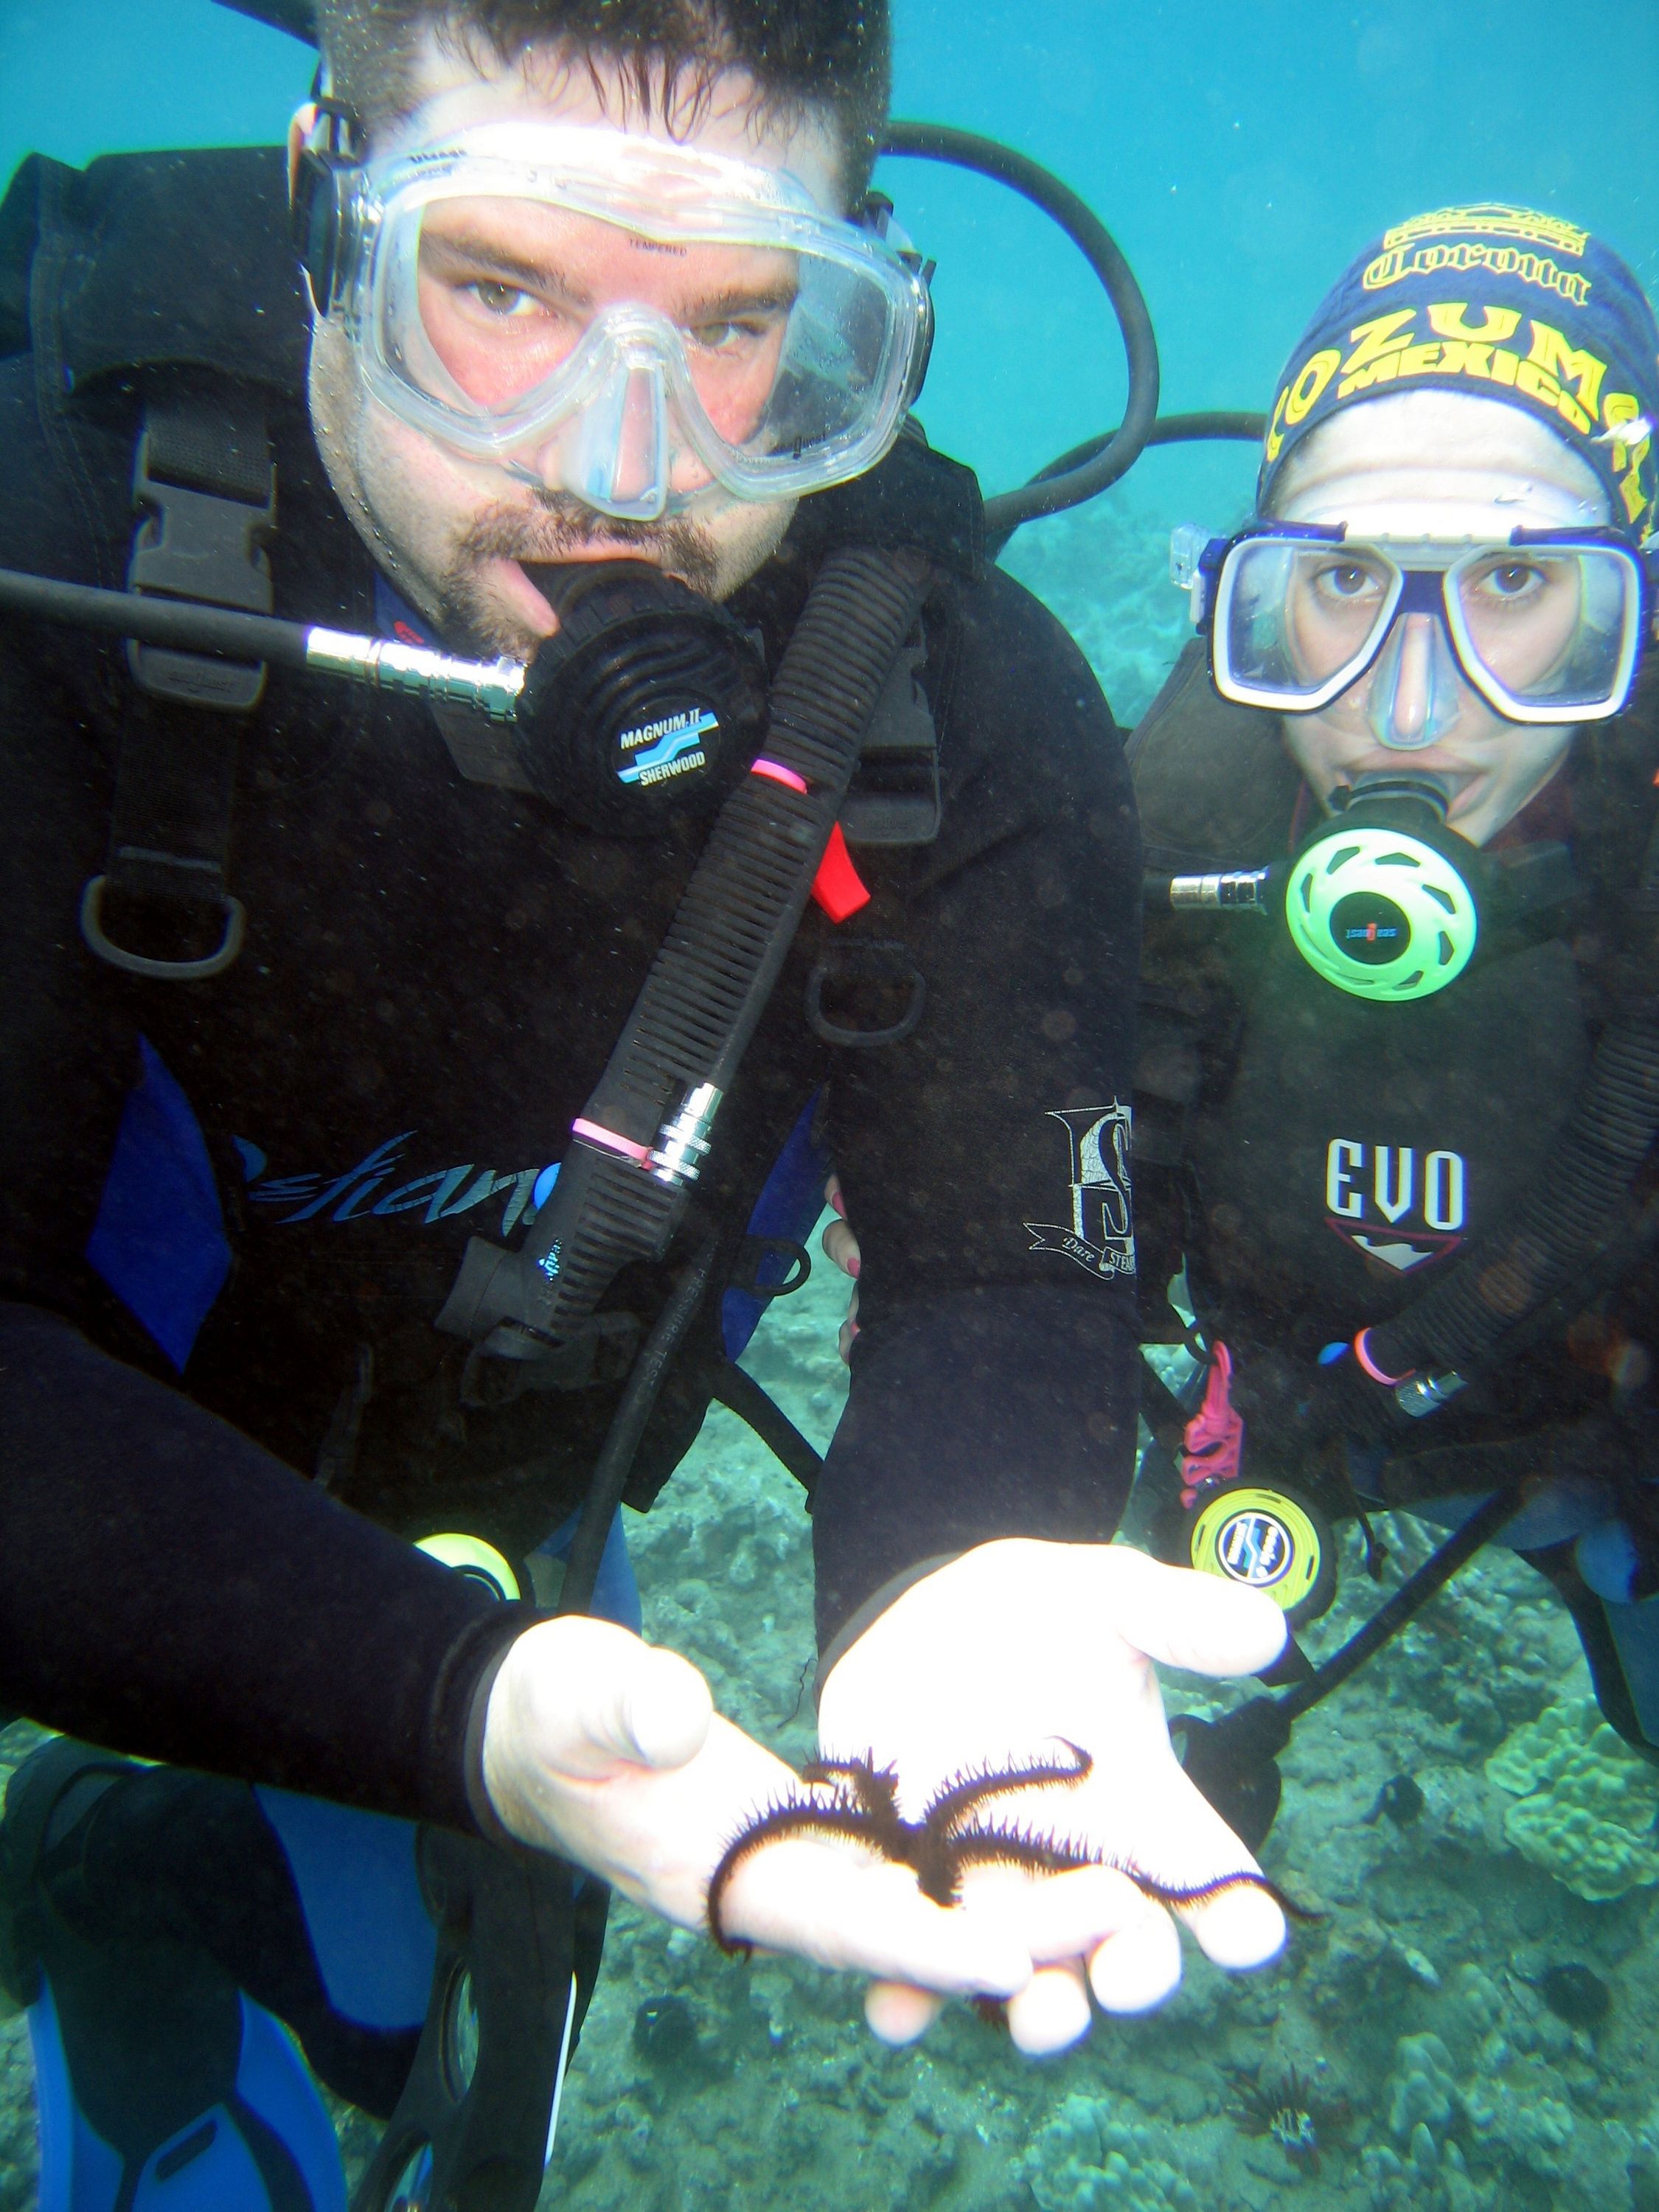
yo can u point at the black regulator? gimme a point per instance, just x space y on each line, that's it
647 702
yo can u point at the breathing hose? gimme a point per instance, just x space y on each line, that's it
1050 492
637 1144
1565 1218
616 1459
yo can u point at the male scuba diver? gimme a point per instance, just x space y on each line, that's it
382 1171
1393 1141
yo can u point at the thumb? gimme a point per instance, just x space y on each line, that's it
579 1695
1183 1619
652 1709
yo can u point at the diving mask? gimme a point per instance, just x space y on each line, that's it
1545 624
619 317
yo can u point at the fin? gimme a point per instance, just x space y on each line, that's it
159 2086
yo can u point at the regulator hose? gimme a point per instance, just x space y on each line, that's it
1565 1220
620 1195
1063 484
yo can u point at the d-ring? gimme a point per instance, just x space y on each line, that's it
162 971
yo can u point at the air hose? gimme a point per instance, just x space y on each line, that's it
1051 491
638 1142
1460 1324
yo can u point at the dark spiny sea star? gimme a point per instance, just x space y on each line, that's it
861 1805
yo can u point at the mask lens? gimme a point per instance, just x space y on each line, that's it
1294 619
784 343
1552 628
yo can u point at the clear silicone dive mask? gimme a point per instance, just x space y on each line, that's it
1545 624
626 319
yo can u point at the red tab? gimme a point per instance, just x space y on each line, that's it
837 886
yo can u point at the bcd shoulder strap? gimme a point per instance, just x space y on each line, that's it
204 488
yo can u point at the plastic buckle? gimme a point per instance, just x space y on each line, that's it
876 959
208 547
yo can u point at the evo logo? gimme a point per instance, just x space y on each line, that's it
1396 1203
672 746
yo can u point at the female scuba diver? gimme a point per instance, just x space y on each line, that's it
1398 1080
1393 1141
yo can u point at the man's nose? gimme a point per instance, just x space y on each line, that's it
615 456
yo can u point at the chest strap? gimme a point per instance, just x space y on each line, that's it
205 491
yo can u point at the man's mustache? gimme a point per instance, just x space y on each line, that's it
555 524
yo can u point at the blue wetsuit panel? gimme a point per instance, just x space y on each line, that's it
791 1200
159 1241
616 1589
372 1936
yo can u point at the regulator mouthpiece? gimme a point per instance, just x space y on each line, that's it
1377 902
647 702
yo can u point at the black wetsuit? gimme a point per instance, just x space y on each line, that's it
1318 1159
434 974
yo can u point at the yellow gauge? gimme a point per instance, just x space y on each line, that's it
472 1557
1269 1541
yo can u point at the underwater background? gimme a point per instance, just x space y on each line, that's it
1476 2023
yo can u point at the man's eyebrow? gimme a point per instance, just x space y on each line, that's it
482 253
740 300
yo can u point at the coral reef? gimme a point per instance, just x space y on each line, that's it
1420 2009
1084 2160
1585 1803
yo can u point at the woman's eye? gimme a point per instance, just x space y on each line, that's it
1348 581
1515 580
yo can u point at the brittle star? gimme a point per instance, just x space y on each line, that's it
938 1848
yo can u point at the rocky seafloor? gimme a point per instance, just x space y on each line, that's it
1437 1810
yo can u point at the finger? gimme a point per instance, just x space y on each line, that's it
898 2013
1182 1619
1241 1928
842 1246
1051 2012
1066 1916
1140 1966
832 1196
653 1711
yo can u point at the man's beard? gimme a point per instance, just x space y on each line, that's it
556 527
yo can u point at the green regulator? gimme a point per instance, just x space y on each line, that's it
1380 901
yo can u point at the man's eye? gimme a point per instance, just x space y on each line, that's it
497 297
730 335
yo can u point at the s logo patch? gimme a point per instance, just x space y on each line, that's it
1101 1237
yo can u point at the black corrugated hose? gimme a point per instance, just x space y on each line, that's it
736 920
1567 1218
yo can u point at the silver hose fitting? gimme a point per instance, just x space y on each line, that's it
683 1140
491 687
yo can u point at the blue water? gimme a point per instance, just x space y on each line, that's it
1242 155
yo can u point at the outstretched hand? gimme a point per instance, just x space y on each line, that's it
609 1751
998 1660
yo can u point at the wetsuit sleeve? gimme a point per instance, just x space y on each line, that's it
985 1159
167 1588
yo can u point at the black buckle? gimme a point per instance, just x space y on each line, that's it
874 959
602 1351
894 796
204 545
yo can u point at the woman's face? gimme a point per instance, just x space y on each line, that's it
1441 468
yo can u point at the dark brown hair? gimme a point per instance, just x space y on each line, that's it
834 55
